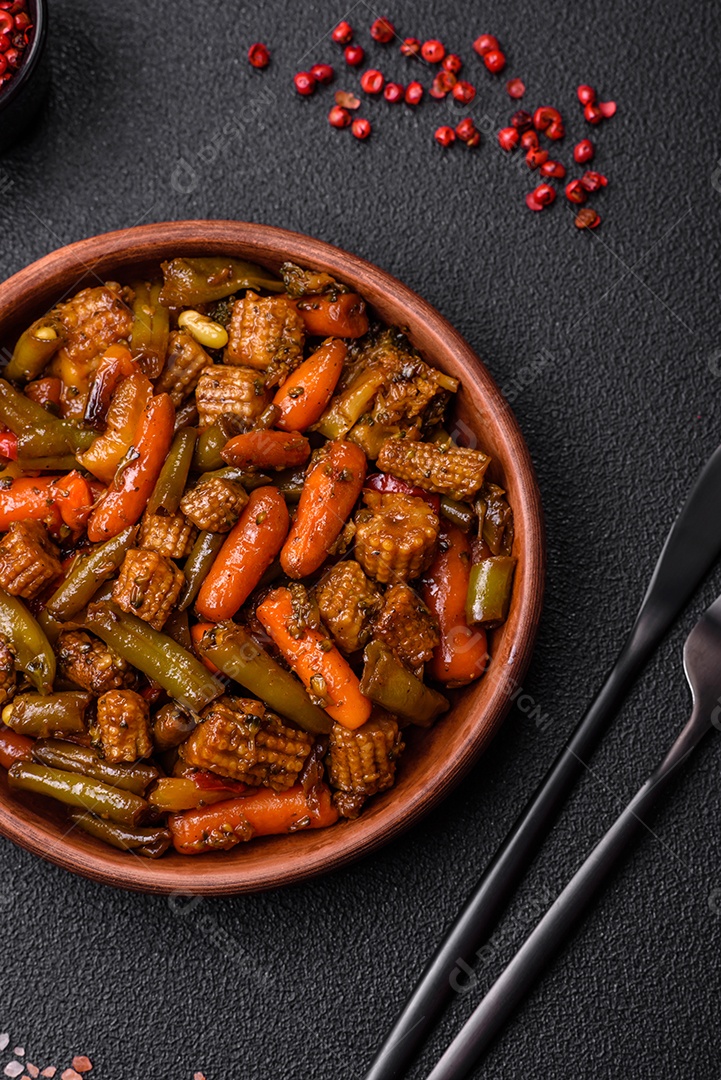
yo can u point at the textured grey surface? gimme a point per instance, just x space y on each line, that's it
609 345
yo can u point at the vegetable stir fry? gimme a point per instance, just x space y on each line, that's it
240 555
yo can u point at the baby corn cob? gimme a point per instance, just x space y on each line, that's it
454 470
8 676
265 333
90 663
363 762
396 536
406 626
28 559
214 505
121 730
240 391
239 738
170 535
186 359
347 600
148 586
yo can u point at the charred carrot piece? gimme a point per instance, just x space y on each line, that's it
249 549
14 747
325 673
341 316
50 499
74 497
265 813
266 450
304 395
116 364
123 504
45 392
461 655
330 493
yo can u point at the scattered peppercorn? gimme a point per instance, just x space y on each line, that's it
485 43
445 136
414 93
322 73
361 128
442 84
508 138
467 132
464 92
544 116
583 151
383 30
586 94
608 109
354 55
586 218
452 63
544 194
304 83
592 181
410 47
343 33
536 157
515 88
522 121
372 81
554 169
529 140
433 51
393 92
346 100
592 113
258 55
495 61
339 117
575 192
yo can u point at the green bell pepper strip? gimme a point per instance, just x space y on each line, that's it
71 757
170 485
489 590
150 842
159 657
238 655
39 433
43 715
347 407
389 684
207 449
60 463
35 348
150 330
81 791
89 572
200 281
458 513
201 558
28 642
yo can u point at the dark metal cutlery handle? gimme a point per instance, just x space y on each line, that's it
552 932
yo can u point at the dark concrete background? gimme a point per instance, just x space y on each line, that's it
608 344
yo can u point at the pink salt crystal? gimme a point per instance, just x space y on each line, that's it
4 1040
49 1071
13 1068
82 1064
70 1074
198 1076
33 1070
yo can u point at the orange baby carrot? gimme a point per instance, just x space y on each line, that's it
328 316
322 669
13 747
124 502
267 450
249 549
305 394
265 813
331 489
461 655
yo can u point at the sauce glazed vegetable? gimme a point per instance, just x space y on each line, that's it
240 556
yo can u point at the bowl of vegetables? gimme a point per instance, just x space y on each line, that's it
271 557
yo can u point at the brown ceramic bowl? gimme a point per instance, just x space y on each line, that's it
436 759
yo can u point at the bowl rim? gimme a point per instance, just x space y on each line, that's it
33 832
32 58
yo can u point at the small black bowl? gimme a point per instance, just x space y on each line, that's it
21 98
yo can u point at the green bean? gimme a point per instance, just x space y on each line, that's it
200 281
59 754
228 472
39 434
87 573
171 727
238 655
81 791
489 590
347 407
35 349
31 647
290 483
207 449
60 463
151 326
458 513
159 657
43 715
389 684
150 843
168 490
197 565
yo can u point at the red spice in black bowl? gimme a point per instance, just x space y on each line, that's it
23 74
